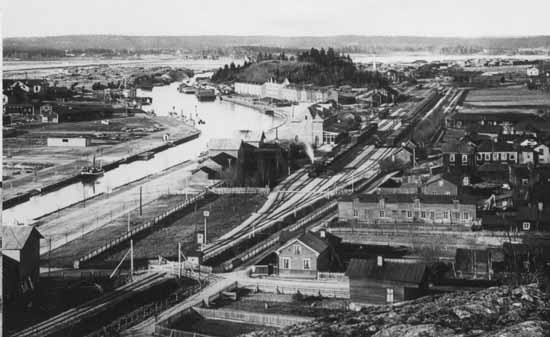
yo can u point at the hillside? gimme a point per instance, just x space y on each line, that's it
347 43
318 67
495 312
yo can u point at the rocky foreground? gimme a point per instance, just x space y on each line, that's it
522 311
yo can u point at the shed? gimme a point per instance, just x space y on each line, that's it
22 244
380 282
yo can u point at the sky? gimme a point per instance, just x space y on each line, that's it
467 18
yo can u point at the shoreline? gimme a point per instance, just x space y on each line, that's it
72 178
260 108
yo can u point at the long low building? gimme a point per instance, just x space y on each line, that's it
404 208
286 91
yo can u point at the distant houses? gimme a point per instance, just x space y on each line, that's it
286 91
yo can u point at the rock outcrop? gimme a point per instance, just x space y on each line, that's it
495 312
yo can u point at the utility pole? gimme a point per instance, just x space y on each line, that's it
179 259
140 200
49 255
131 259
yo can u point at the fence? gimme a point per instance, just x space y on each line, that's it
141 314
137 230
271 320
166 332
240 190
304 290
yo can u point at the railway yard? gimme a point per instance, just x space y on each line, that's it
147 234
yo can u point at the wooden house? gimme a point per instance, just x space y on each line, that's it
376 281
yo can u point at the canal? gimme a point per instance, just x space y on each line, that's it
222 120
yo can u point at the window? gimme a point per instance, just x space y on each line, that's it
526 226
464 159
286 263
432 215
382 214
416 214
452 157
512 156
445 215
479 156
524 181
466 215
487 156
394 214
366 214
355 212
65 140
504 156
456 216
381 203
423 214
409 214
297 249
307 264
495 156
403 213
389 295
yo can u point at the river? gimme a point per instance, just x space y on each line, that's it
223 120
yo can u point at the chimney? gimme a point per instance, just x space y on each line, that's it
379 261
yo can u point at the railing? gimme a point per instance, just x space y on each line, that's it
239 190
141 314
331 276
304 290
126 236
273 239
166 332
272 320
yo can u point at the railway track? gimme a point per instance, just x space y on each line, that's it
296 193
91 308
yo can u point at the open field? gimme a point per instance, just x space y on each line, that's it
517 96
68 161
226 212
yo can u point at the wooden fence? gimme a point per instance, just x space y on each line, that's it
138 229
240 190
271 320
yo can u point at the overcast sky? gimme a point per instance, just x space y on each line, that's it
287 17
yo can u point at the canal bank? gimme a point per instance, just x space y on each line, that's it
71 174
262 108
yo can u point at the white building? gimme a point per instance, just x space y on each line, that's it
533 72
285 91
543 153
69 141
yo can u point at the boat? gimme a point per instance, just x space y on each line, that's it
92 172
206 95
186 89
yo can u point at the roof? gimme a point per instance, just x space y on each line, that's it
223 159
224 144
445 176
15 237
476 115
457 147
311 240
409 198
493 167
389 271
490 146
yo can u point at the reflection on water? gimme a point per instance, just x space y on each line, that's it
223 119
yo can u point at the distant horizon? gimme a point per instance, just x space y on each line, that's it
519 36
282 18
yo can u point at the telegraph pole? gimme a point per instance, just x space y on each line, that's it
140 200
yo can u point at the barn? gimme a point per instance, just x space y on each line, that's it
379 281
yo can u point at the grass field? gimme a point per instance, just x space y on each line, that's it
517 96
226 212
